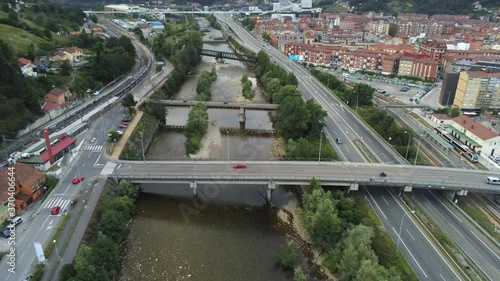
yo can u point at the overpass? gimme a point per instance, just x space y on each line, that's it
406 106
229 56
272 173
224 105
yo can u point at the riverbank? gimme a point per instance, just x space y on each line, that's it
290 214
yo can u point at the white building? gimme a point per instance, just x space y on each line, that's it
306 4
461 46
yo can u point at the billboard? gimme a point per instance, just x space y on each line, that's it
296 57
39 252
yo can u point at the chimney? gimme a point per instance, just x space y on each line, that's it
47 144
472 127
463 122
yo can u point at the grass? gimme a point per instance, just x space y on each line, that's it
478 216
3 15
19 39
50 246
382 243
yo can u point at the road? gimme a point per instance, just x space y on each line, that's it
343 124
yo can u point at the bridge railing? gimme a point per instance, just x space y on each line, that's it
327 180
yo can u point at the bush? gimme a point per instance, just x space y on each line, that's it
288 259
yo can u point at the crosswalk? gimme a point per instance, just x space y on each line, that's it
94 147
57 201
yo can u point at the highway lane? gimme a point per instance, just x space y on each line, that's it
484 255
412 240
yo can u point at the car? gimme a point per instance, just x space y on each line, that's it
381 91
55 210
5 233
338 140
28 278
127 119
239 166
15 221
124 123
121 126
78 179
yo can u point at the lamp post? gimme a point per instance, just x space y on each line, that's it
142 146
418 146
320 142
227 143
57 251
408 146
401 228
357 101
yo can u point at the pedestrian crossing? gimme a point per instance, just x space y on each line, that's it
94 147
57 201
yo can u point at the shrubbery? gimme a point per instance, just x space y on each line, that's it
204 83
246 86
196 128
98 257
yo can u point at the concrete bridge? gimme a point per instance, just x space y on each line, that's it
407 106
270 174
223 105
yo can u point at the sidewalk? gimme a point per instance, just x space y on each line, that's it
72 235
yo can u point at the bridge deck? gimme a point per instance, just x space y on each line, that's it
215 104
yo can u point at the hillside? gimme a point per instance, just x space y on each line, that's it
430 7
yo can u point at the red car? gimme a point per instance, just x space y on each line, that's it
239 166
78 180
55 210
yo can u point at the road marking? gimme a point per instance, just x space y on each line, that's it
119 166
484 244
458 231
50 225
410 234
95 164
376 203
385 201
94 147
442 276
404 244
445 206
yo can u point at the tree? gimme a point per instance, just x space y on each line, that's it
113 224
85 269
273 86
288 259
363 94
286 91
266 36
105 254
128 101
355 248
113 136
66 68
316 119
127 189
293 118
67 272
156 110
370 271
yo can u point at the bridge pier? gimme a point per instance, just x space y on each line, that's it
194 186
408 188
270 187
242 116
354 187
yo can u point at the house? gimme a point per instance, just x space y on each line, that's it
75 53
29 185
26 67
40 159
55 95
475 135
60 56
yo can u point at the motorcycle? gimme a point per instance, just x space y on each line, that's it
383 174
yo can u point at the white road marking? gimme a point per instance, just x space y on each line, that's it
385 201
445 206
484 244
442 276
95 164
376 204
403 242
410 234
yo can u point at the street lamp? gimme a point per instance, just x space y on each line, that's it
401 227
57 251
142 146
357 101
320 141
408 146
227 143
418 146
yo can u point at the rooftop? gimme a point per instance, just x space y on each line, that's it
475 127
57 147
24 173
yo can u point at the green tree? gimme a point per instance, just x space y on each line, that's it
128 189
196 127
67 272
156 110
362 95
293 118
355 248
370 271
288 259
105 254
316 119
66 68
113 136
273 86
128 101
286 91
113 224
85 269
266 36
298 274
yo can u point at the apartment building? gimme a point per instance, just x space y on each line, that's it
435 50
371 60
478 90
415 27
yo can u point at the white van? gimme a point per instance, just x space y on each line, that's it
15 221
492 180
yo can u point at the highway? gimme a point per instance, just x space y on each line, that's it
342 123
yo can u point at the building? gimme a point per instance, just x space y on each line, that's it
362 59
410 64
478 91
57 147
74 53
28 186
475 135
435 50
55 95
26 67
156 25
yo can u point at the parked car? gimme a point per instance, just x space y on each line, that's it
5 233
15 221
78 179
28 278
381 91
239 166
121 126
55 210
127 119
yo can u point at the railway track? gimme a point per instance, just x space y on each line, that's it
486 209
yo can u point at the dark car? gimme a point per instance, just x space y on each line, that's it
5 233
127 119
